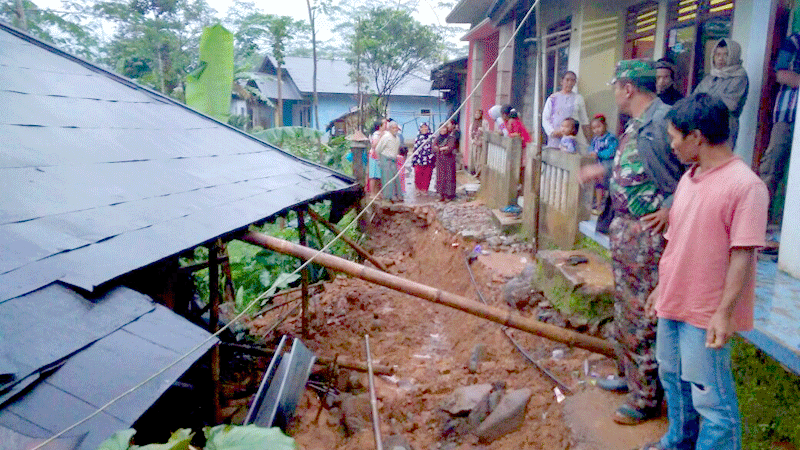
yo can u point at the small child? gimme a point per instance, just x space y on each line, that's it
603 147
401 162
569 129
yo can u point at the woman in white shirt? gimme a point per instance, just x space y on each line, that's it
561 105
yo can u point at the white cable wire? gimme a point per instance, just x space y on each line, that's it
302 266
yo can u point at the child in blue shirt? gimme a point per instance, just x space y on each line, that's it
569 129
603 147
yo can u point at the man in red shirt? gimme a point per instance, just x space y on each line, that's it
706 278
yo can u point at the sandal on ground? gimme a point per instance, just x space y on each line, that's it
630 415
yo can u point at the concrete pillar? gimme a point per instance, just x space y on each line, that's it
505 64
750 22
789 257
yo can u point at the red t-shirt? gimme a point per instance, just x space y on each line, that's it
711 213
516 126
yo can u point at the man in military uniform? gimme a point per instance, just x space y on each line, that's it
644 178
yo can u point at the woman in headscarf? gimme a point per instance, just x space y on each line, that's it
423 160
446 147
561 105
478 154
728 81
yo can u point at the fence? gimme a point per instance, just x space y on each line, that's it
500 173
564 203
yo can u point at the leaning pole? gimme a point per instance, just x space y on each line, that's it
504 317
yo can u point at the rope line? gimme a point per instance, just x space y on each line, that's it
302 266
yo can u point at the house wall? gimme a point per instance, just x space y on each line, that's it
407 112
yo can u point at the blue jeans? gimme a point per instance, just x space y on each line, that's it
698 384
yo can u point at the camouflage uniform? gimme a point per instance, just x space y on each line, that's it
635 254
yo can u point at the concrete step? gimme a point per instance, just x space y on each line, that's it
508 223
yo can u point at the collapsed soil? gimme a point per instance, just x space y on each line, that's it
428 345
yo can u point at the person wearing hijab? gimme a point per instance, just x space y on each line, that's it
424 159
728 81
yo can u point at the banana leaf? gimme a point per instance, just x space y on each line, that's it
208 89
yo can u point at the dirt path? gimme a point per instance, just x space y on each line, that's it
430 345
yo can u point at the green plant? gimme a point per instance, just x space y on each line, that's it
256 270
220 437
768 396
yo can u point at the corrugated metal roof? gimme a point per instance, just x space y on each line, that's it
106 176
333 77
100 348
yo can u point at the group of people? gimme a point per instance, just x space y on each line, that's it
387 159
688 217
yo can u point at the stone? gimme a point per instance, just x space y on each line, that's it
506 417
482 410
520 290
465 398
356 413
396 442
478 353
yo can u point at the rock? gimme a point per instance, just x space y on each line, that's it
519 291
356 413
396 442
507 417
487 404
465 398
478 353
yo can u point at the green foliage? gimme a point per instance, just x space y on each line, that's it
257 32
62 28
256 270
156 41
220 437
305 143
208 88
246 437
768 396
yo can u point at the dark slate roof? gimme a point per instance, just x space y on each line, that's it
77 354
104 176
333 77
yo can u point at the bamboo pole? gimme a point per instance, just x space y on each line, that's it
501 316
359 249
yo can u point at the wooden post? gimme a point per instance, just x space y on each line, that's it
213 325
301 228
359 249
502 316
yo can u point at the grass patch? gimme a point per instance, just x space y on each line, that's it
769 398
569 301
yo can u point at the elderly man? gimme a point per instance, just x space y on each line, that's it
387 150
665 82
645 175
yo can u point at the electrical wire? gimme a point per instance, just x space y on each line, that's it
302 266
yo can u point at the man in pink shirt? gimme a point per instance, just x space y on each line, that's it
706 278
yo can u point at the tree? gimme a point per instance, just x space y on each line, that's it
391 45
156 41
62 28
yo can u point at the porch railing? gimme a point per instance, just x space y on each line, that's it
564 202
500 173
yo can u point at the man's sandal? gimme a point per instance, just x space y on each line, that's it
630 415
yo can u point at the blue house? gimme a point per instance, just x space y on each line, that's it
411 103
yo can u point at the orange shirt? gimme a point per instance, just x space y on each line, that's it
712 212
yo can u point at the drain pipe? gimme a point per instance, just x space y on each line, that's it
502 316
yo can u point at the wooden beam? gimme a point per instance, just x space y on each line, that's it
359 249
301 228
213 325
